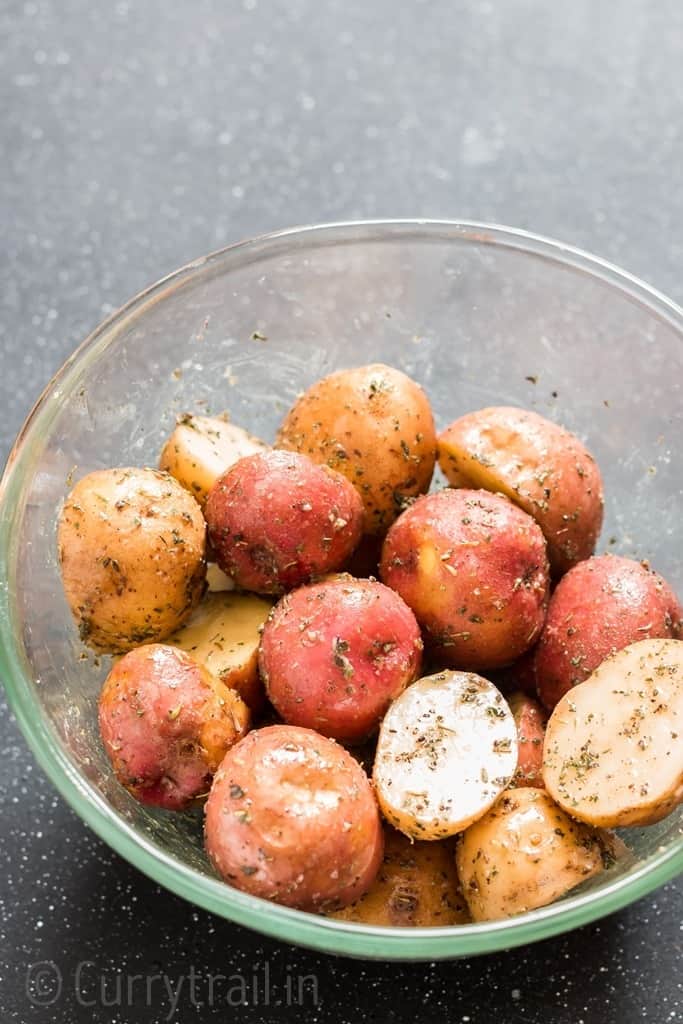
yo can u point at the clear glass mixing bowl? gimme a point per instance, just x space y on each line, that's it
479 315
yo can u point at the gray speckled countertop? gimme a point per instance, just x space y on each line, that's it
136 136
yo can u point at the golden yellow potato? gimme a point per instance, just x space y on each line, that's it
131 547
373 424
223 635
524 853
202 448
416 887
613 750
539 465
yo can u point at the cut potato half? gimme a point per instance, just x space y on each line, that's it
447 748
202 448
223 634
613 751
525 853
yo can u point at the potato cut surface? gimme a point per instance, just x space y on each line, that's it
447 748
223 634
613 751
202 448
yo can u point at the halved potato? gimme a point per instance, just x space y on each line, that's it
613 751
525 853
202 448
447 748
417 887
223 634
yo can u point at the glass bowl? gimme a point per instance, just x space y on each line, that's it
479 315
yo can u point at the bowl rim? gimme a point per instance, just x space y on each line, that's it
326 934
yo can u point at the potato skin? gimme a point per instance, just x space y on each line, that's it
524 853
277 519
601 606
539 465
223 634
416 887
291 817
473 568
131 548
530 719
335 654
373 424
166 724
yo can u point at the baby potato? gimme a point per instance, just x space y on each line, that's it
473 568
336 653
223 635
613 751
530 719
539 465
131 548
525 853
291 817
276 519
601 606
416 887
373 424
166 724
447 748
202 448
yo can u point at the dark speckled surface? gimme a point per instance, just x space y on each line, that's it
135 136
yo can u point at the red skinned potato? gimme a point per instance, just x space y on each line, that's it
166 724
601 606
530 719
291 817
373 424
335 654
539 465
473 568
276 519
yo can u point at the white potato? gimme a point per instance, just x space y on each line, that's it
524 853
202 448
223 635
447 748
613 750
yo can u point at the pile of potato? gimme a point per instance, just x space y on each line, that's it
319 649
